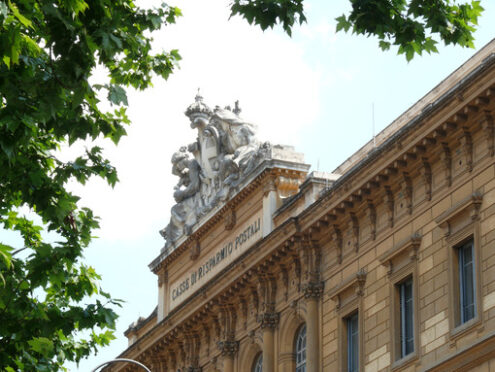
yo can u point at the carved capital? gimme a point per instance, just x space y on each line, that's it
269 320
194 369
287 186
162 277
313 289
269 186
228 347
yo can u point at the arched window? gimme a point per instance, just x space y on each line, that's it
301 349
258 363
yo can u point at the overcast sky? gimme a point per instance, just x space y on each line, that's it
314 91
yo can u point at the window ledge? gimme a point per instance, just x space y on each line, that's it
464 328
405 361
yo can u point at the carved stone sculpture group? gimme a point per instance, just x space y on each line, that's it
211 169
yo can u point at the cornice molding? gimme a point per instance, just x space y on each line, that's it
471 204
408 246
355 283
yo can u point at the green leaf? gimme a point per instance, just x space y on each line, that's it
26 22
117 95
42 345
384 45
6 60
342 24
5 255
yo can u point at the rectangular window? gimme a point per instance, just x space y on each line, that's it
352 325
467 295
406 309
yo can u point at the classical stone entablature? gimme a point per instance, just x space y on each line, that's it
330 249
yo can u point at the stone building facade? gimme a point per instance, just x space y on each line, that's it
386 264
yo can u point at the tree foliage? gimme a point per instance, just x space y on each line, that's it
414 26
51 307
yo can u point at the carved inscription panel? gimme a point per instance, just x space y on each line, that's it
213 262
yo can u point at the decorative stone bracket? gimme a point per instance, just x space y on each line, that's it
488 128
195 249
229 218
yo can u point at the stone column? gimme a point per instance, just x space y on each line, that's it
269 322
228 363
228 349
312 293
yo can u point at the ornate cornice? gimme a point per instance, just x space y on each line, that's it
351 180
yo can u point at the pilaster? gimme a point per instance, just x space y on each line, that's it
269 205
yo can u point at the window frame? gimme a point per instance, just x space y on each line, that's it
467 281
348 298
406 316
461 223
258 363
300 366
402 264
407 273
468 234
353 316
400 352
